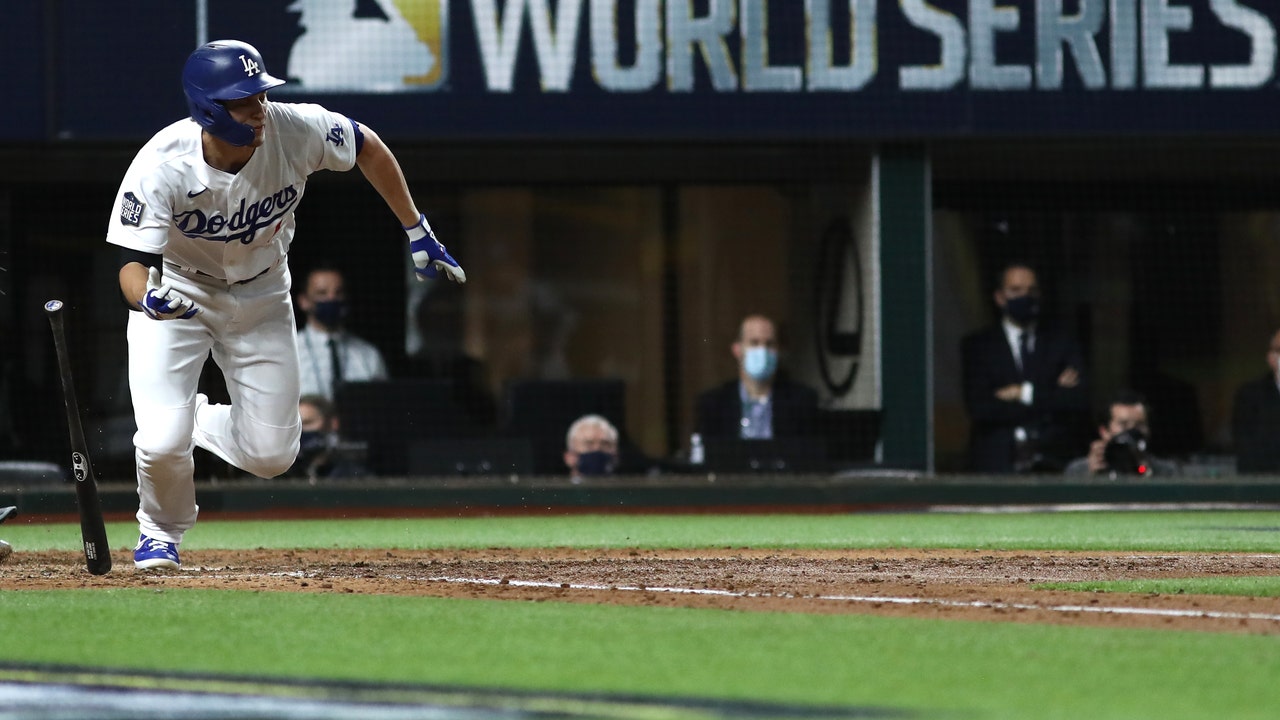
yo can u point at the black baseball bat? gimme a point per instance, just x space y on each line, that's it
97 553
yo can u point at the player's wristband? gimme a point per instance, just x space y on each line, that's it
420 230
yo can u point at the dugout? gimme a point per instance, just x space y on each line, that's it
622 192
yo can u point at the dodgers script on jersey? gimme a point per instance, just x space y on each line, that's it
228 226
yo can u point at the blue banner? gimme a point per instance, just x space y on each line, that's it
695 69
22 54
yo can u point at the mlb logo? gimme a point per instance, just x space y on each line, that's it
342 51
131 210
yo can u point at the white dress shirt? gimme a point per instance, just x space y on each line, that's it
1013 334
359 359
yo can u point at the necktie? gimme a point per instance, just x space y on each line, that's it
1024 352
335 366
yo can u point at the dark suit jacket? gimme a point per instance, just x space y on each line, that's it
795 410
1255 426
1059 415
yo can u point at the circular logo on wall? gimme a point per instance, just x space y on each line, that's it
838 302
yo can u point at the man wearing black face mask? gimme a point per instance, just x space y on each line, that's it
322 453
329 355
1023 385
591 448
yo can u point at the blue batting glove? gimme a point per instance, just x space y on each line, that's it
163 302
429 256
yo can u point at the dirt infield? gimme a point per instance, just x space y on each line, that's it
948 584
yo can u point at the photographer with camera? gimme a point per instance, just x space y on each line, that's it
1121 447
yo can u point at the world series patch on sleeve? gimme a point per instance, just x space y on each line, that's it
131 210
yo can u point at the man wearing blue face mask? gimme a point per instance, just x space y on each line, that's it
328 355
1023 385
591 448
758 404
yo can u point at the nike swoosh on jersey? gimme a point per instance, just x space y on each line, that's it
191 194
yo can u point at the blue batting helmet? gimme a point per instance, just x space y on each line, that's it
224 70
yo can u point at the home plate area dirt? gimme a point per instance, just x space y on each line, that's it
974 585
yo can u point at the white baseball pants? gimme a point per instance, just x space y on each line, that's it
250 330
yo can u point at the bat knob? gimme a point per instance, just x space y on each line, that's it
53 306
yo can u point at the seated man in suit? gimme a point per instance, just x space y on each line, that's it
1255 418
758 404
1023 385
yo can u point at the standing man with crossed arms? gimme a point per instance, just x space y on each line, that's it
1023 385
204 218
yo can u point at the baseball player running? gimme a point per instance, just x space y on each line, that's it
204 220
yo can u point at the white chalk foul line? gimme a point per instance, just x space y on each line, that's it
873 599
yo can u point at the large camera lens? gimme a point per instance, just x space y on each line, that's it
1126 453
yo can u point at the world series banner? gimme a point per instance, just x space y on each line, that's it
694 69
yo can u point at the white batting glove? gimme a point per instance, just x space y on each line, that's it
429 256
163 302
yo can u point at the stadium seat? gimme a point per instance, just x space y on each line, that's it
389 415
24 473
542 410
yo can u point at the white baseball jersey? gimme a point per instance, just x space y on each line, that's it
228 226
217 231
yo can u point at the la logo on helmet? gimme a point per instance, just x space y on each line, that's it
250 66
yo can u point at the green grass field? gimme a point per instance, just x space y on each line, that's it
924 668
1238 531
